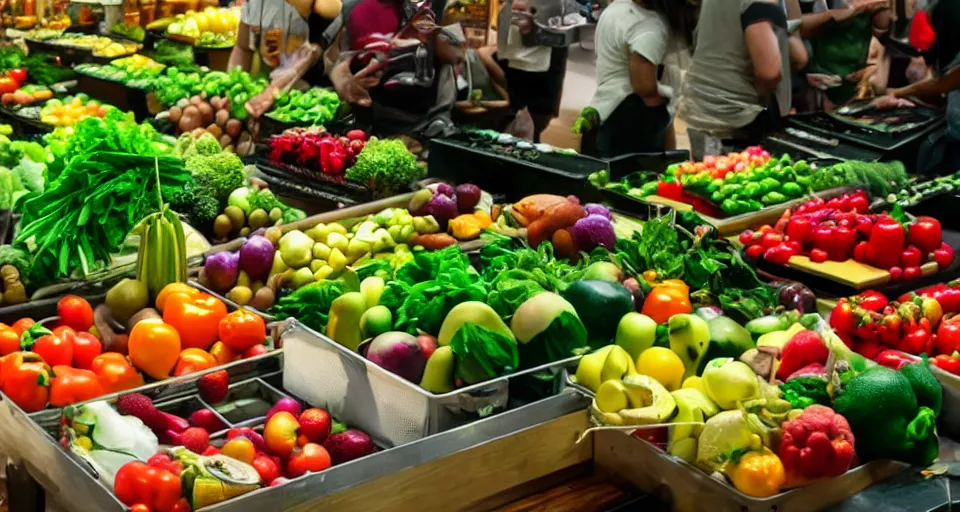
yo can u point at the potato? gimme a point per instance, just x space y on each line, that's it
206 113
197 133
191 110
183 103
196 100
189 121
221 117
215 102
245 148
215 131
233 127
225 140
175 114
244 137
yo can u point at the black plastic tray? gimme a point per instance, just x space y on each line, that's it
823 123
23 126
127 99
552 173
300 183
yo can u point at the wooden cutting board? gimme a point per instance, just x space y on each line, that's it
859 276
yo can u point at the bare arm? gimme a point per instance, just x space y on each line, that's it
764 54
241 54
643 79
930 89
811 24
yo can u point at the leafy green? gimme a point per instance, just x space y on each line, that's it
657 249
310 304
427 288
11 57
386 166
511 289
803 392
379 267
563 338
43 69
483 354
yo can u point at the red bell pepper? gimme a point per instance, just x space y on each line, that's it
889 330
926 234
804 348
799 228
886 244
893 359
157 488
915 342
71 385
25 379
871 300
911 257
844 240
19 74
816 444
943 256
949 363
670 190
779 254
948 334
949 299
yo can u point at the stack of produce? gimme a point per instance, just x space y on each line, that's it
216 117
134 71
24 94
317 150
756 181
840 229
386 166
39 68
204 463
99 45
771 420
122 344
131 31
572 228
71 110
314 107
234 88
212 27
22 168
214 175
250 209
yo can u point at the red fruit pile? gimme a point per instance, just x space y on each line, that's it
840 229
315 149
720 166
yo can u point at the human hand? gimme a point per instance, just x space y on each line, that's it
861 74
861 7
354 88
890 102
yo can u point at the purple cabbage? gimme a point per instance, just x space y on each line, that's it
221 270
592 231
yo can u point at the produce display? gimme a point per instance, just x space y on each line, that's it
840 229
71 110
99 45
916 191
134 71
313 107
317 150
235 87
151 457
25 95
216 117
130 31
213 27
749 181
38 68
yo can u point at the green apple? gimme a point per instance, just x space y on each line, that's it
636 332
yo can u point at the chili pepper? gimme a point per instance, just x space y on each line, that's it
115 372
25 379
71 385
892 359
665 301
871 300
196 318
949 363
915 342
944 256
926 234
886 243
779 254
911 257
799 228
157 488
757 474
818 443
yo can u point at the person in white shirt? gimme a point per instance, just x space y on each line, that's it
633 38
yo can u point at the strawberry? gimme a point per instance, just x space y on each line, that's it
140 406
195 439
213 387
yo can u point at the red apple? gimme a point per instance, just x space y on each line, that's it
268 469
427 345
315 424
280 434
312 457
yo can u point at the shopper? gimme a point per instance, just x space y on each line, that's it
633 37
940 154
738 86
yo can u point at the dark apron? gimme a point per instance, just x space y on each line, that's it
840 49
634 127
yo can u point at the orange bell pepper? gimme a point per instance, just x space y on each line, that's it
242 329
195 317
664 301
115 372
154 348
25 379
194 360
174 288
222 353
9 340
757 474
71 385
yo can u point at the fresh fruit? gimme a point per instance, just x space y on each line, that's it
55 350
250 434
239 448
139 406
649 402
75 312
126 298
662 364
311 458
376 321
280 434
86 347
727 382
162 256
193 360
689 339
242 329
438 374
154 348
349 445
195 439
284 404
315 425
213 387
267 468
207 420
636 333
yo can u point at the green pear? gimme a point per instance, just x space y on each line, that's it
636 332
438 376
689 339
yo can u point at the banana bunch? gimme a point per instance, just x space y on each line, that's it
162 258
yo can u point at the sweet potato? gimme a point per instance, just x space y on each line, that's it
433 241
563 244
561 216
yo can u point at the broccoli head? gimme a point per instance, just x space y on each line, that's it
194 202
218 175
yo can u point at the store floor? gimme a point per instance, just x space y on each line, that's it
578 87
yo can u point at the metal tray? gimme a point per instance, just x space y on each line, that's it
399 411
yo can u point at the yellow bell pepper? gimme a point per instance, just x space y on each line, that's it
757 474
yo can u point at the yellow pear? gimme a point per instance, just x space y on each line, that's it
590 367
617 365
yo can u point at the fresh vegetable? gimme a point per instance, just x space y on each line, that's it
25 380
816 444
313 107
727 382
242 329
600 305
196 318
137 482
71 385
115 372
757 473
548 329
399 353
154 348
387 166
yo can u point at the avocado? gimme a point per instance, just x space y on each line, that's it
727 339
600 306
126 298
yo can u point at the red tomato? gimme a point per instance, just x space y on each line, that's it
754 251
19 74
771 240
75 312
255 350
241 330
22 325
312 457
86 347
818 255
54 350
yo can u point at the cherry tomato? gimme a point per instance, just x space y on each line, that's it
747 238
22 325
86 347
911 273
754 251
818 255
771 240
75 312
895 273
241 330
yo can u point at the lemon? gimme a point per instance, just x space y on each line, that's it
693 382
663 365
